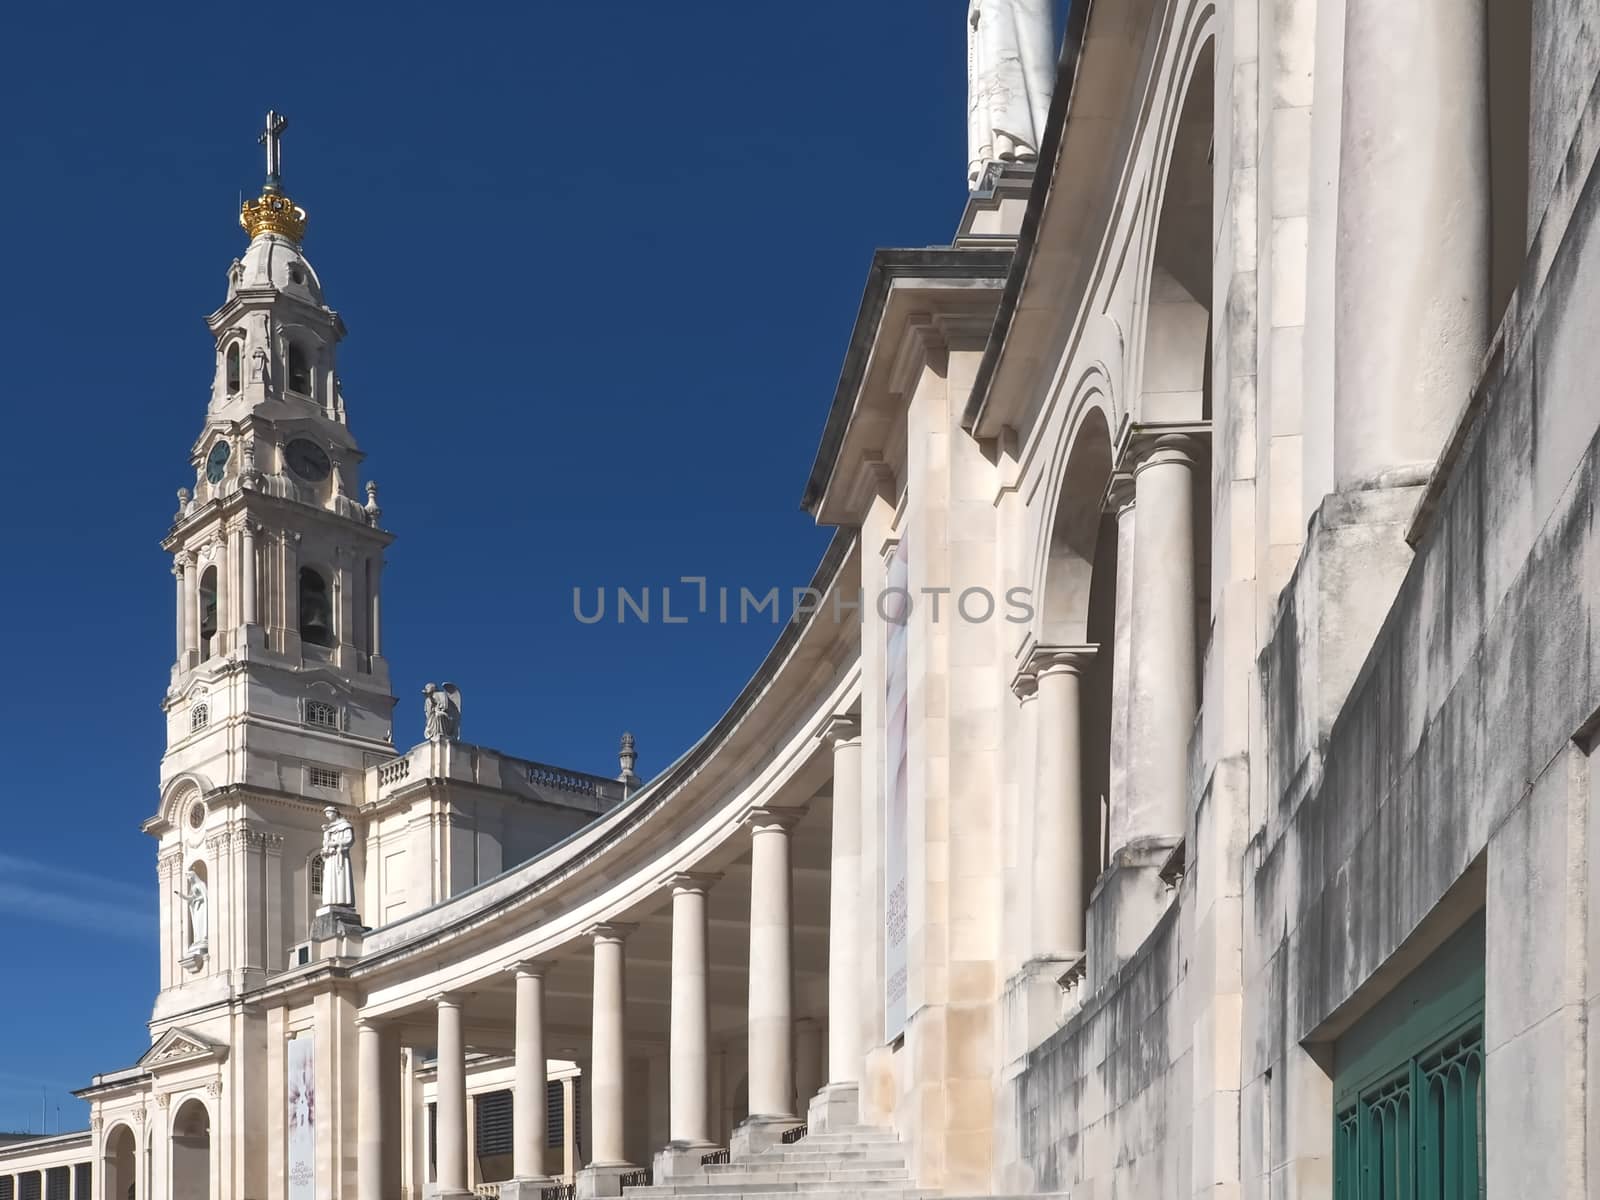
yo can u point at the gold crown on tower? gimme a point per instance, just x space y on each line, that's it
273 212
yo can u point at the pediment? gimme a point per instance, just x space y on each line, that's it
178 1047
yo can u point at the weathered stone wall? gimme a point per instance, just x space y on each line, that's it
1107 1095
1448 780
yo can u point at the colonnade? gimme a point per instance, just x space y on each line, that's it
772 1026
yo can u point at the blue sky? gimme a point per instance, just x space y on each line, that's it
598 264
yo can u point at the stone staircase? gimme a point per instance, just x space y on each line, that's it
858 1163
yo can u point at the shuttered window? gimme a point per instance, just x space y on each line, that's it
554 1118
8 1187
58 1183
29 1186
492 1112
433 1142
82 1182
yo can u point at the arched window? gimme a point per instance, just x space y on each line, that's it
208 611
299 369
316 614
314 883
319 712
199 716
234 357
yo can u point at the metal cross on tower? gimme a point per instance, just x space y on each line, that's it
272 139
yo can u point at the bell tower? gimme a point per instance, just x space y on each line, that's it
279 694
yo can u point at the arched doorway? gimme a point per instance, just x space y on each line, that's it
121 1164
191 1152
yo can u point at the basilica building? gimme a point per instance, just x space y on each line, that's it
1196 699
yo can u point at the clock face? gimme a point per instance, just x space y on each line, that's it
307 460
217 462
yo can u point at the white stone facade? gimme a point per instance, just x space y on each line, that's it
1227 779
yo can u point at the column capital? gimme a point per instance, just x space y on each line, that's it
841 729
1172 442
536 968
759 820
447 999
366 1022
610 931
691 881
1045 660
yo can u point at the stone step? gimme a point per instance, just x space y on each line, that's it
812 1191
789 1160
738 1173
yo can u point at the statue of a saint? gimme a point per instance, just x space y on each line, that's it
441 712
195 897
338 882
1011 71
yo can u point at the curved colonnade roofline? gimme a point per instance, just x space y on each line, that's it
488 929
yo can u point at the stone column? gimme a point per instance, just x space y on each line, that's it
608 1067
771 974
528 1100
1411 291
839 1102
450 1112
247 574
688 1122
1119 800
183 611
370 1100
1165 680
1056 844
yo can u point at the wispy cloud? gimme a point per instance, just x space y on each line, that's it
47 893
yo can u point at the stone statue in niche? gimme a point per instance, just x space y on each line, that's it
258 366
194 895
338 882
1011 71
441 712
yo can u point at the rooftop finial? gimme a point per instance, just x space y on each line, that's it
627 756
274 212
272 138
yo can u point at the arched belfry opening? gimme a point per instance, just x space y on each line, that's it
208 611
299 370
316 608
234 368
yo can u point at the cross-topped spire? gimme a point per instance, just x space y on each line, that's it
272 139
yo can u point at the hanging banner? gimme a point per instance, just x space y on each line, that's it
302 1093
896 611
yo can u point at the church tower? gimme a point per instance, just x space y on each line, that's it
280 695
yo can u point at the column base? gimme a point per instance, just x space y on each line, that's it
602 1180
836 1106
757 1135
530 1188
1031 1002
678 1159
336 920
1127 901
